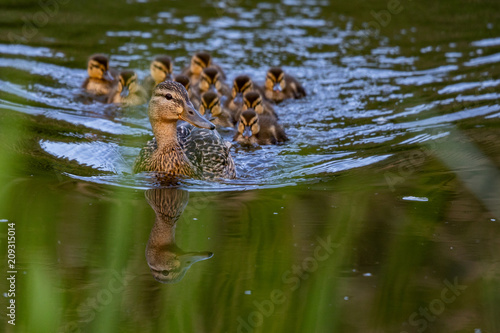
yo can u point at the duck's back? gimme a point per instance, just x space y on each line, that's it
207 151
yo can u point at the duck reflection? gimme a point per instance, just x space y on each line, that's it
168 263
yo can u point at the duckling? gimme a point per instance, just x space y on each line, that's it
167 262
199 61
182 151
280 86
100 81
241 85
128 91
253 100
256 129
184 80
161 69
211 109
211 80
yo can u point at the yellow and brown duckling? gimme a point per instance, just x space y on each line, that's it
241 85
280 86
211 109
128 91
254 100
211 80
184 80
199 62
182 151
254 129
101 79
161 69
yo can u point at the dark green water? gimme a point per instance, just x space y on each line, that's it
380 215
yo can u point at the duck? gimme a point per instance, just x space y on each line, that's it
241 85
194 150
101 79
253 100
211 80
280 86
200 61
254 129
128 91
193 96
161 69
168 263
211 109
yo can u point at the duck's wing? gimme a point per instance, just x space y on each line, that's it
207 151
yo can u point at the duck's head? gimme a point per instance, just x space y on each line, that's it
241 85
171 265
248 125
199 61
161 69
253 100
127 83
210 80
210 105
184 80
275 80
98 66
170 103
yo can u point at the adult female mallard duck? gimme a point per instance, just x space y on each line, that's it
128 91
101 79
254 129
161 69
211 109
280 86
200 61
184 151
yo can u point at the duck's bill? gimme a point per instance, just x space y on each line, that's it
107 76
247 132
208 115
238 99
195 118
124 92
190 258
277 87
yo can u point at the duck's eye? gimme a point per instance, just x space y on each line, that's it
168 96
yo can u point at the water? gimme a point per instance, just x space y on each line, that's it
383 204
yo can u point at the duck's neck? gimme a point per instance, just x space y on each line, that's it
166 135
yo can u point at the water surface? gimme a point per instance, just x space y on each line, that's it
379 215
